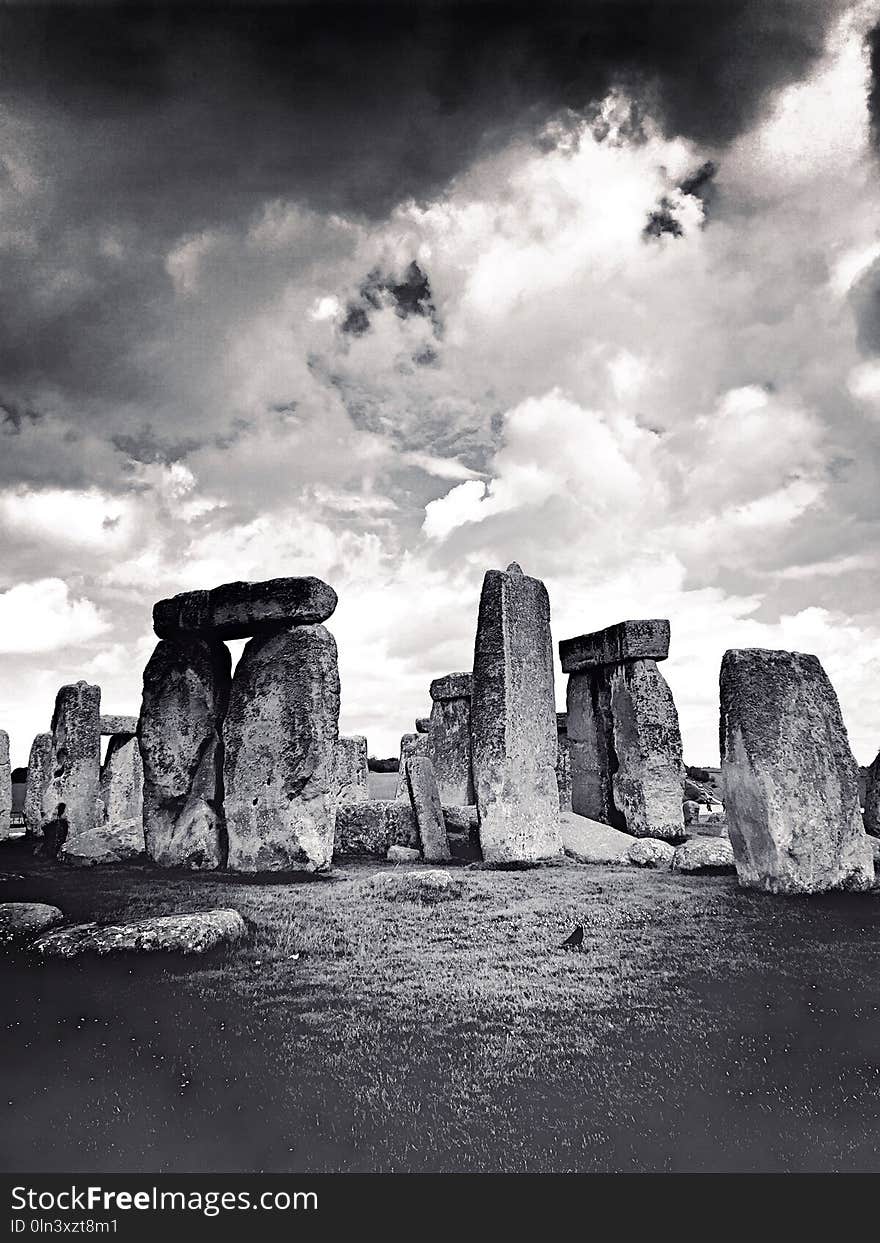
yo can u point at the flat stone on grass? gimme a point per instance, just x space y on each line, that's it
194 933
649 852
588 841
19 921
704 854
418 885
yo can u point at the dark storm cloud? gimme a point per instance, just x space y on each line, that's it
144 124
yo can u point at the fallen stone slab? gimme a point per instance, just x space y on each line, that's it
115 724
370 828
589 841
239 610
627 640
790 782
19 921
121 842
171 934
704 854
649 852
418 885
403 854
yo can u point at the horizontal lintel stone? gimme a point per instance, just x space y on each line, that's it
627 640
114 724
238 610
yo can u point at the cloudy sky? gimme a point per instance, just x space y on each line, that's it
392 294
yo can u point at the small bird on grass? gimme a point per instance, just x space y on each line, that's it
575 941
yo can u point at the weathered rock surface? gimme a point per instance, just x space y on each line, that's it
563 761
423 724
186 690
649 852
426 803
872 799
791 785
279 738
113 723
417 885
410 744
238 610
704 854
5 788
172 934
122 781
371 828
76 758
513 721
403 854
589 841
38 778
120 842
452 686
351 774
460 819
627 640
20 921
625 749
691 811
449 737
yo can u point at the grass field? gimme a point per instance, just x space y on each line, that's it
702 1028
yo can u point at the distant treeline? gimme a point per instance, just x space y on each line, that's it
391 765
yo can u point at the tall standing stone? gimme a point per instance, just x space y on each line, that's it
425 795
280 739
186 690
76 758
791 784
39 774
449 737
351 770
623 732
122 781
5 788
513 721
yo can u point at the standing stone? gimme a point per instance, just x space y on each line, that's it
280 739
623 731
449 737
410 744
791 785
649 782
872 799
352 773
5 788
186 690
425 795
563 761
39 774
76 758
122 781
513 721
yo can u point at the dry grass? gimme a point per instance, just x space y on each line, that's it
700 1028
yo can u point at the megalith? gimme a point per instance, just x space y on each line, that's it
279 738
790 782
239 610
351 771
122 781
513 721
623 732
425 795
563 761
410 744
39 774
872 799
186 690
5 788
449 737
76 759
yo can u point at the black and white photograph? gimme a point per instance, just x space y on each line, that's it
439 600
